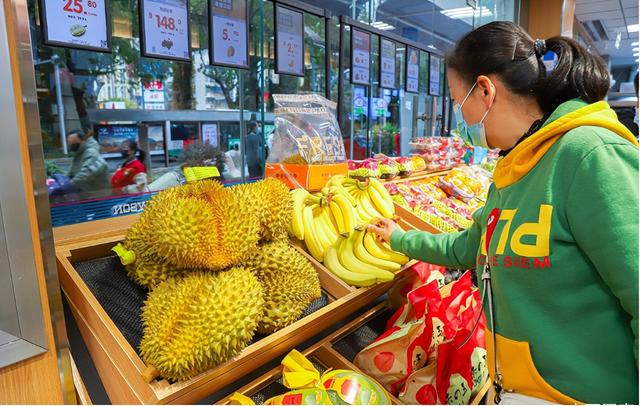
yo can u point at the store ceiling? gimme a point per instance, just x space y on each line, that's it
606 22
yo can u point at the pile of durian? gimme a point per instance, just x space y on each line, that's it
219 268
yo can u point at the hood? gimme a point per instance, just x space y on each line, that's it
569 115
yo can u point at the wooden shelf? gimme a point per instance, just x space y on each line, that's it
118 364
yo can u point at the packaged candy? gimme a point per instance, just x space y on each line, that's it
334 387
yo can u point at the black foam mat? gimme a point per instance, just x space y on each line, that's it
123 299
350 345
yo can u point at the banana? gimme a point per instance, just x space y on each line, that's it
335 183
348 213
380 203
384 193
338 216
363 255
333 264
367 207
383 251
310 235
299 196
349 261
329 227
321 230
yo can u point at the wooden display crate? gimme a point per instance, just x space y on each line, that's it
119 365
324 353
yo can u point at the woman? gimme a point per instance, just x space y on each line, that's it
560 222
131 176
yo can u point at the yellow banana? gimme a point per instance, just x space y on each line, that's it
333 264
380 203
363 255
367 207
299 196
310 236
321 229
384 193
330 228
348 213
335 183
349 261
383 251
338 216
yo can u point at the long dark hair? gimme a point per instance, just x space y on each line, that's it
506 49
140 154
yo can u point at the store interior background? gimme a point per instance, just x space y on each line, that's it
167 105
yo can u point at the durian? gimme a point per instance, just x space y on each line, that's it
289 281
198 226
273 204
142 264
197 322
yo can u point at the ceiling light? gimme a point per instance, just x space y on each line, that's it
466 12
634 44
618 38
633 27
381 25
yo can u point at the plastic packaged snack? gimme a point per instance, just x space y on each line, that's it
306 131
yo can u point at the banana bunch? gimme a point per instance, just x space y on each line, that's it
332 226
372 200
359 259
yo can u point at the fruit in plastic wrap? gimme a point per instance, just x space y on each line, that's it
289 281
197 322
405 167
388 168
273 204
418 163
364 169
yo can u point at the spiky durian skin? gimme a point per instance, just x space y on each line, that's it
274 206
197 226
289 281
197 322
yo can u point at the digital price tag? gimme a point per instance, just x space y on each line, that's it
289 41
165 29
387 63
434 75
360 57
413 70
81 24
229 33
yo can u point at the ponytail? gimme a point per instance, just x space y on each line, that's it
506 49
577 73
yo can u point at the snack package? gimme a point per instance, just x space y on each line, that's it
428 354
306 131
334 387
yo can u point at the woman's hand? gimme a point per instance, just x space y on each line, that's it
383 228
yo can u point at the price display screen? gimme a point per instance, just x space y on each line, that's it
360 57
81 24
434 75
228 37
413 70
290 41
387 64
165 29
